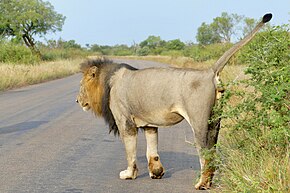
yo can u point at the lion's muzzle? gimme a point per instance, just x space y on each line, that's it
85 106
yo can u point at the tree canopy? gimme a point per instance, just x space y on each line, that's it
152 42
25 19
223 28
206 35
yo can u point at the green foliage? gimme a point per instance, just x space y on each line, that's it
143 51
122 50
250 24
15 53
223 28
259 128
152 42
24 19
116 50
59 53
175 45
60 44
61 49
204 53
206 35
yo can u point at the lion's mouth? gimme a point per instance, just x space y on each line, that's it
85 106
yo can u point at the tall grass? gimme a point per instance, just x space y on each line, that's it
12 76
252 168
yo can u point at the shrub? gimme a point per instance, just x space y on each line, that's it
143 51
61 53
15 53
257 145
203 53
175 45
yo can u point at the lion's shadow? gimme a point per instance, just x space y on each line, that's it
173 162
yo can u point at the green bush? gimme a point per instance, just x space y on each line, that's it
203 53
175 45
257 145
16 53
61 53
122 50
143 51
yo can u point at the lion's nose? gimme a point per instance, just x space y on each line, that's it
77 101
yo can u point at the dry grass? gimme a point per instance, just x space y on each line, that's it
12 76
257 170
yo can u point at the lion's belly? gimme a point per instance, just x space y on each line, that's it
157 119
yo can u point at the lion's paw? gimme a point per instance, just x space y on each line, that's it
129 174
156 170
157 173
202 186
204 183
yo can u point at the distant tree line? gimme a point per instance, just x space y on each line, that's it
216 36
23 20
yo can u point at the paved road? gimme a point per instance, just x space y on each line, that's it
48 144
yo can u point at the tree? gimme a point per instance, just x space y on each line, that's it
151 42
144 51
206 35
250 23
25 19
175 45
220 30
224 25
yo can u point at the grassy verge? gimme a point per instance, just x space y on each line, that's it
12 76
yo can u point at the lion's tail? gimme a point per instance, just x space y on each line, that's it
222 61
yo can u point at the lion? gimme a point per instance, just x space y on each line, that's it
129 98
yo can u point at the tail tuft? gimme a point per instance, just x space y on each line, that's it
267 17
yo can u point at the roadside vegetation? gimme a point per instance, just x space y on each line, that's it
255 141
19 75
254 144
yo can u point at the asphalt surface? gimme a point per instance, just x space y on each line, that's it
48 144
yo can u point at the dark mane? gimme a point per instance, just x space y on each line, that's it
108 67
99 62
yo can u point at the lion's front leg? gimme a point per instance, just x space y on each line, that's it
131 172
156 170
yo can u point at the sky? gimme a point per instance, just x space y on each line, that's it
111 22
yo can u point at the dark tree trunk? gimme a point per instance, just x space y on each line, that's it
29 42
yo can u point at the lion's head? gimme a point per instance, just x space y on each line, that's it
91 92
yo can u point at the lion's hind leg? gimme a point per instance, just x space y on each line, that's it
156 170
205 137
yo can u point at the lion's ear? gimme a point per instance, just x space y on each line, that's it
93 71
